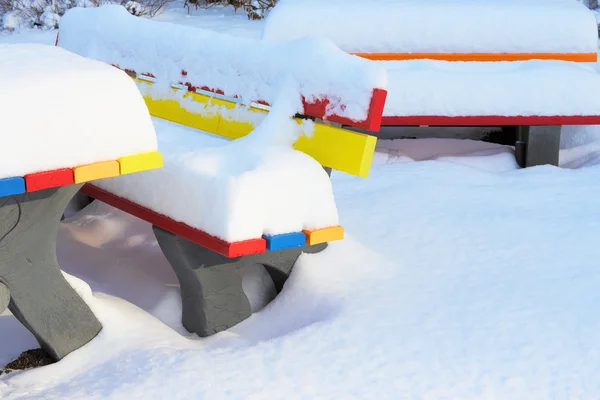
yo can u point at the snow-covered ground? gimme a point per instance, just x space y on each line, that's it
461 277
454 282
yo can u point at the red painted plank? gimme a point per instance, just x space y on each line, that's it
374 117
490 120
49 179
235 249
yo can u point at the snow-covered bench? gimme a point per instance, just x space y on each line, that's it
55 137
454 30
544 87
219 206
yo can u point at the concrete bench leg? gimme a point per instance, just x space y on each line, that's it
212 296
537 145
40 297
4 297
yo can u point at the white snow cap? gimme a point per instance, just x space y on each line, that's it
60 110
249 68
413 26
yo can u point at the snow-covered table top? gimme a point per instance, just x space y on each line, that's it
234 191
60 110
439 26
545 88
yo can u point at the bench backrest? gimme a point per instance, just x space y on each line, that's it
201 78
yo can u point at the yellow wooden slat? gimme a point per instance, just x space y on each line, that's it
140 162
330 234
332 147
92 172
342 150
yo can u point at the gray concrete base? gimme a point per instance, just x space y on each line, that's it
40 297
4 297
212 296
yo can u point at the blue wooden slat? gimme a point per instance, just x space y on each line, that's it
11 186
285 241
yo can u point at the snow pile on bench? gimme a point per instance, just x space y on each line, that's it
232 190
248 68
460 26
60 110
545 88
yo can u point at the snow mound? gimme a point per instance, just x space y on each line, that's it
425 87
232 190
461 26
248 68
60 110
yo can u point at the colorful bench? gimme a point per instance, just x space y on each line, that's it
434 62
209 267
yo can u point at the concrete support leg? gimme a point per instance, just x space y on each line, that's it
4 297
538 145
212 296
40 297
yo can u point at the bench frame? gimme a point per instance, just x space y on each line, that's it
536 138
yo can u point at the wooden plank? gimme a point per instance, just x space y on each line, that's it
481 57
11 186
285 240
140 162
339 149
231 250
49 179
92 172
342 150
172 110
324 235
318 109
490 120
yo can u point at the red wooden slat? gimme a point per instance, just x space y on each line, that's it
374 117
235 249
48 179
490 120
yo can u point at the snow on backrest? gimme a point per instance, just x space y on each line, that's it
248 68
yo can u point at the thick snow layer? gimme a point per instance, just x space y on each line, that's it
454 283
458 26
246 67
58 109
232 190
425 87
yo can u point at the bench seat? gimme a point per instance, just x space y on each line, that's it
439 93
207 193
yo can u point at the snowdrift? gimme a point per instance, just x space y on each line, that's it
60 110
445 26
